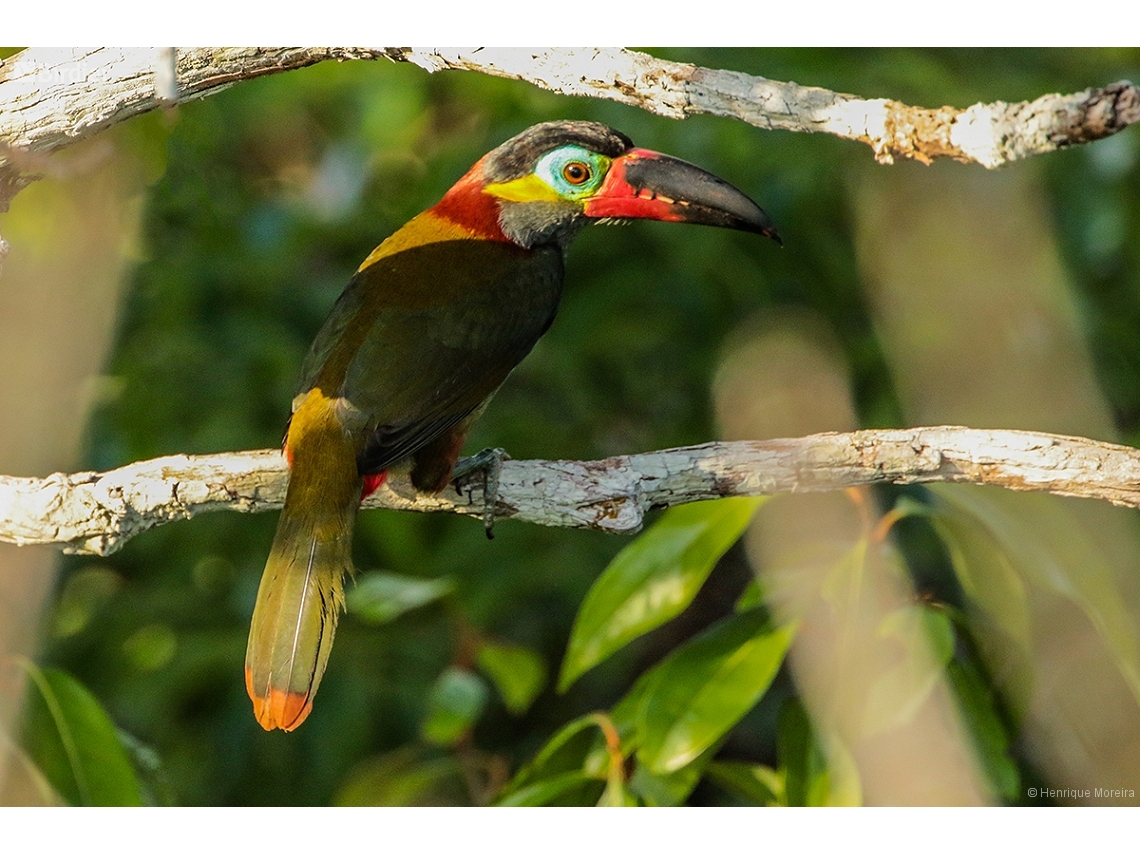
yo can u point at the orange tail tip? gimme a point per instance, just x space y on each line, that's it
285 710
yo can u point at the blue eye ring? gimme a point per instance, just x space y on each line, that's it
572 171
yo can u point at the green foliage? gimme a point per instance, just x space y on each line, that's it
754 785
705 687
572 768
517 672
454 705
991 736
411 776
653 579
383 597
1044 553
73 743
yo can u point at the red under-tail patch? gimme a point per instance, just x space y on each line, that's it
372 483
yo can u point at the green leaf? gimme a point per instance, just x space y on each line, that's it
517 672
383 597
151 647
939 629
154 783
815 769
653 579
578 747
626 713
1064 548
985 571
74 743
706 686
454 705
752 597
800 759
617 792
754 785
990 736
410 776
569 789
925 637
84 593
667 789
839 785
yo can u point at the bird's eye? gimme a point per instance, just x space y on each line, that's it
575 172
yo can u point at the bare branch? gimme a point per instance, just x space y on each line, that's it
99 512
988 134
51 97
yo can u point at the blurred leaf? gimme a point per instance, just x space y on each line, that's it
568 789
929 623
74 743
1048 545
985 571
151 647
990 735
939 630
617 794
383 597
841 785
752 784
84 593
801 760
627 712
926 637
815 769
751 598
412 775
152 774
454 705
667 789
653 579
908 506
577 747
706 686
517 672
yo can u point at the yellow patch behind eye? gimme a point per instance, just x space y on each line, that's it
529 188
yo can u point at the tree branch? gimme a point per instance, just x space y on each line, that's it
98 512
52 97
988 134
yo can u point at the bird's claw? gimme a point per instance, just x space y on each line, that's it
489 462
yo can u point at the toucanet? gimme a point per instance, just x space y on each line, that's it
429 327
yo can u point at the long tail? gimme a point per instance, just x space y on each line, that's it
302 591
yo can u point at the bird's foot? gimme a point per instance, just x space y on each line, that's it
489 462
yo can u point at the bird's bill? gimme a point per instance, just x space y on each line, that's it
643 184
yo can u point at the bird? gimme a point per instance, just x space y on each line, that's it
429 327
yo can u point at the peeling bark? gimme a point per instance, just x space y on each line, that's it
98 512
52 97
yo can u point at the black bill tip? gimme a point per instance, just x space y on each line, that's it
697 196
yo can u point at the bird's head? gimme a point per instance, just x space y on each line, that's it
544 184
